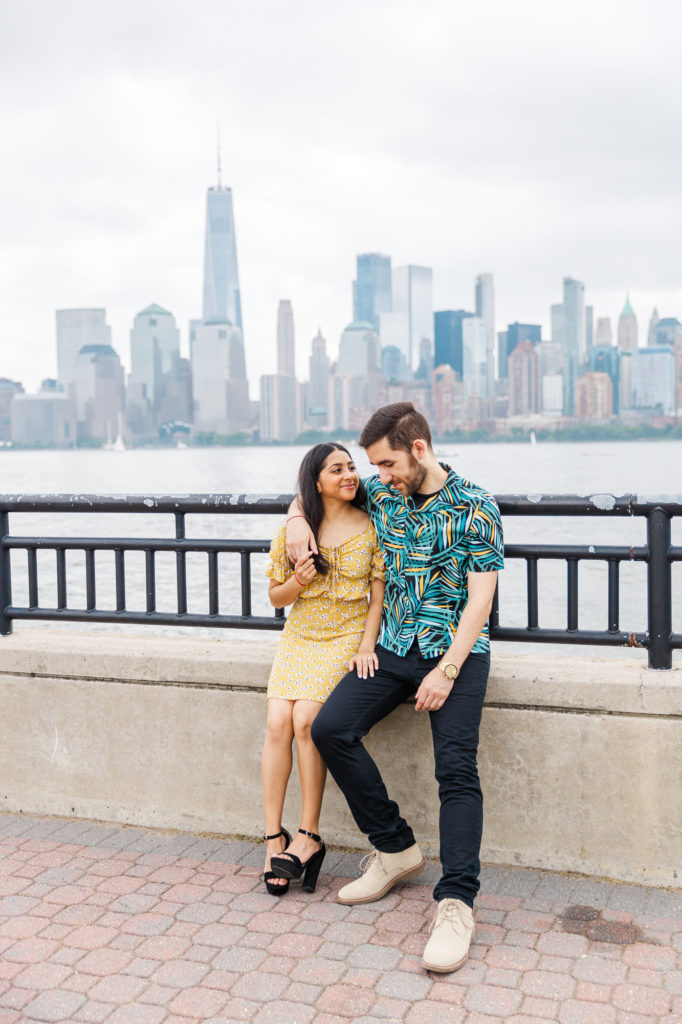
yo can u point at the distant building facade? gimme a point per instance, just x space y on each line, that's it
449 344
318 386
627 328
412 296
372 289
46 419
76 328
606 359
98 391
286 342
485 310
525 380
594 396
8 389
154 350
653 380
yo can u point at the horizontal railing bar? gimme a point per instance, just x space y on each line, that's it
258 504
144 618
201 504
575 636
139 544
591 552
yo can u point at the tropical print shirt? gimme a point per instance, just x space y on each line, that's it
429 547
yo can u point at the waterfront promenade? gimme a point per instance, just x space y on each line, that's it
126 925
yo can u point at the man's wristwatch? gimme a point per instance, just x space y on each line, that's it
449 670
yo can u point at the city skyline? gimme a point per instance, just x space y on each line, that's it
334 145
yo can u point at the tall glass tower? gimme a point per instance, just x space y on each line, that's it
372 289
221 276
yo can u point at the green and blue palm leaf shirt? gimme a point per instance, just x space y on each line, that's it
429 548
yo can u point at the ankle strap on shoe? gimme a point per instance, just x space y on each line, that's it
275 836
312 835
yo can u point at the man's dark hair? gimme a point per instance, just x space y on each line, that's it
400 423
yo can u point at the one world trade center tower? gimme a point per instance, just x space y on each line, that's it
221 276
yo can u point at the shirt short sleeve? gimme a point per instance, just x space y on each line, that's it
279 566
484 539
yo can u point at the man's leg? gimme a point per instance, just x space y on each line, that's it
455 728
348 714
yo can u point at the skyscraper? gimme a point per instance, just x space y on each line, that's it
413 296
604 335
286 355
653 380
515 334
525 380
98 391
475 357
448 343
318 389
627 328
154 341
222 403
221 276
76 328
485 311
372 288
606 359
569 325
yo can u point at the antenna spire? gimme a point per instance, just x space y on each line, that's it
218 141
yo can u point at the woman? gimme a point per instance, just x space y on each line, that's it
329 631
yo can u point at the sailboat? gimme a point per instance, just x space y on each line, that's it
118 445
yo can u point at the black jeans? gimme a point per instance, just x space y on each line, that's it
358 704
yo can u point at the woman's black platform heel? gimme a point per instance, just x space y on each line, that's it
292 866
276 889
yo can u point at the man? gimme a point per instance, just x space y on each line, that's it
442 541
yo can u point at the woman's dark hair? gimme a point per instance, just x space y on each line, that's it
309 496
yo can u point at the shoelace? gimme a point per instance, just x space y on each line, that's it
368 860
449 912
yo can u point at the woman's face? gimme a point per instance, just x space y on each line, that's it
338 477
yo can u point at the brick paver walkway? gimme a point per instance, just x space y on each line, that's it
133 926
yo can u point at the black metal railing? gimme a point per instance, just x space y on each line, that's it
658 554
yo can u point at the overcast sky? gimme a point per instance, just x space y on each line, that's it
530 138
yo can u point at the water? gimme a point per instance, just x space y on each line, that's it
578 468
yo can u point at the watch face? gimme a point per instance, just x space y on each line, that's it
451 671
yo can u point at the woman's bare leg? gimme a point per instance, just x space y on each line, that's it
312 772
276 762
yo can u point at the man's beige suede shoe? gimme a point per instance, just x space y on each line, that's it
452 930
381 872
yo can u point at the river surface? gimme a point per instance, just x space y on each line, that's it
644 468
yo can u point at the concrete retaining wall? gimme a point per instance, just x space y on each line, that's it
581 759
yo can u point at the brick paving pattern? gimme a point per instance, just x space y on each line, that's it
133 926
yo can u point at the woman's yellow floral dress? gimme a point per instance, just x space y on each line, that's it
326 621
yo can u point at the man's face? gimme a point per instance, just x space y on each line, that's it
397 468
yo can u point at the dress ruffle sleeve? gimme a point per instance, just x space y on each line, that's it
378 570
279 567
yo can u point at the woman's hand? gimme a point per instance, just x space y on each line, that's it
300 540
304 569
364 662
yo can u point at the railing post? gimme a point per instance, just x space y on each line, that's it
659 587
5 577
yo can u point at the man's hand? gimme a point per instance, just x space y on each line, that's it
300 540
365 662
433 692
